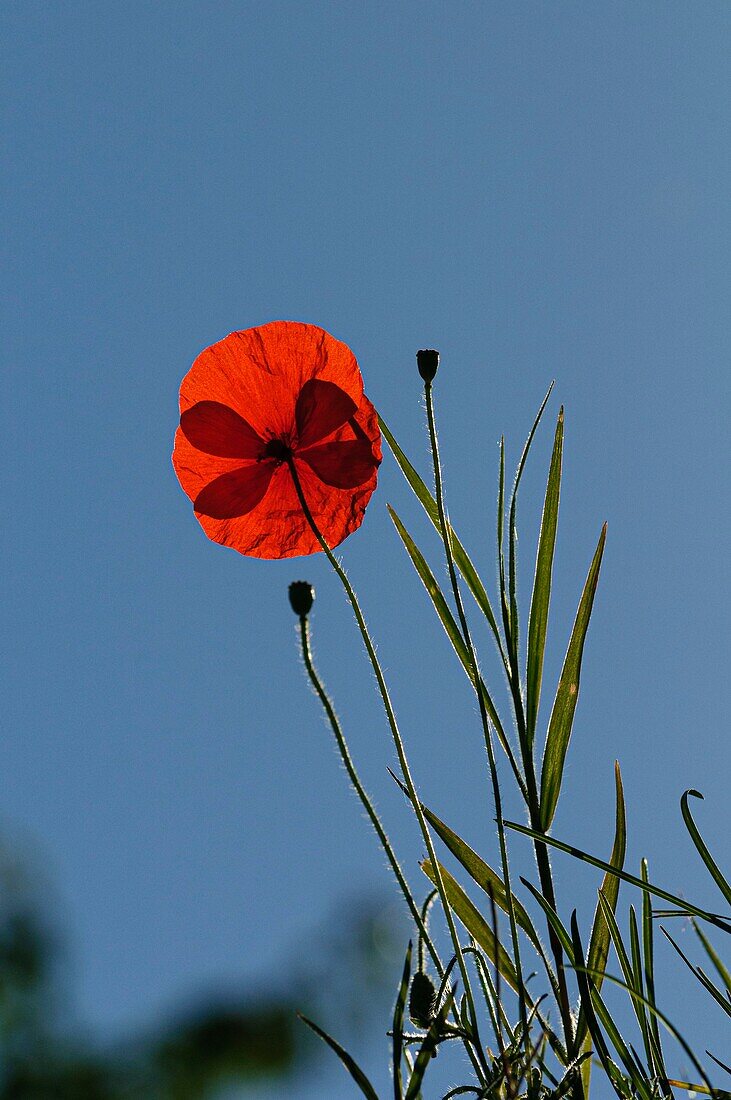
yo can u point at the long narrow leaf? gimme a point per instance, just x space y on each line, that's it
648 948
624 959
719 878
674 1032
638 982
721 968
586 1000
350 1064
599 941
541 598
609 890
567 694
435 593
601 1009
485 877
719 1062
454 634
504 606
701 976
513 534
398 1025
461 557
686 906
475 924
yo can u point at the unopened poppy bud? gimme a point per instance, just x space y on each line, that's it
422 1000
301 595
427 361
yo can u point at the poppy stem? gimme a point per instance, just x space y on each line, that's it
497 797
482 1069
363 795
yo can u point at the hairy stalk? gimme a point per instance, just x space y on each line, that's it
363 795
497 797
482 1068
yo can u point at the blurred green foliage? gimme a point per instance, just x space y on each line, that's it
220 1044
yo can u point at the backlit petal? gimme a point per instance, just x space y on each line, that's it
322 408
344 465
235 493
259 374
217 430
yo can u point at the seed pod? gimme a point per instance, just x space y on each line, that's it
301 595
427 361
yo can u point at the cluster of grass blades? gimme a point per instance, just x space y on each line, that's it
565 1041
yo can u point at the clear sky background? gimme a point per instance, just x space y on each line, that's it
538 190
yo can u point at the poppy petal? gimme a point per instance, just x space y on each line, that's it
217 430
344 465
260 374
321 408
235 493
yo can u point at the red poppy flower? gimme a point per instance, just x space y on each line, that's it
254 405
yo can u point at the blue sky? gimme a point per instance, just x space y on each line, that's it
538 190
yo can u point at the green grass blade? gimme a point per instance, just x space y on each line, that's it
722 971
672 1030
475 924
488 880
485 877
513 534
701 976
590 999
541 598
461 557
601 1009
623 956
687 908
398 1025
719 1063
453 632
435 593
599 941
587 998
638 983
501 538
350 1064
718 877
648 945
609 890
567 694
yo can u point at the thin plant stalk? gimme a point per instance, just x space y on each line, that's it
400 750
497 797
424 937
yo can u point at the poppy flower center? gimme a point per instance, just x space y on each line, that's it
278 450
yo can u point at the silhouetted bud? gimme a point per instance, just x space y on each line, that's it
301 595
427 361
422 1000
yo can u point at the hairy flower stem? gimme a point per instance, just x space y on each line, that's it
497 797
482 1069
360 790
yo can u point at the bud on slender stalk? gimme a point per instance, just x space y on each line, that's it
427 361
422 1001
301 596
